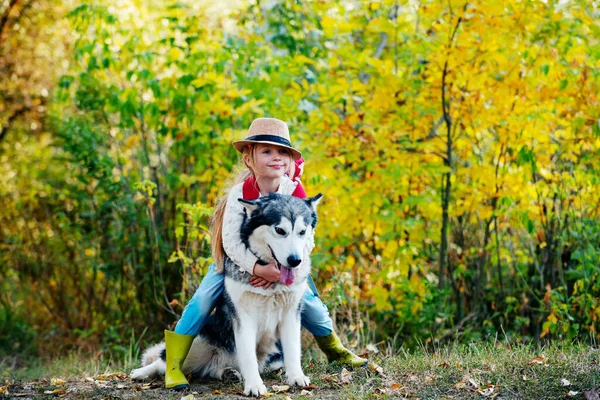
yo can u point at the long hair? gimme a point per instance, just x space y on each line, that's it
242 171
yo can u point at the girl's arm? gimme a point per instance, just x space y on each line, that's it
234 247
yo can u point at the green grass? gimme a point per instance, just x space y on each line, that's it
477 370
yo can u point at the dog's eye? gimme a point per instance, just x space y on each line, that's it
280 231
301 233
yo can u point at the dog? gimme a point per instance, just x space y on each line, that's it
254 330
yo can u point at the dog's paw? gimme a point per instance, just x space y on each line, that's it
230 375
299 380
139 374
257 389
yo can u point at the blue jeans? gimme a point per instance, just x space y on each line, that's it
315 315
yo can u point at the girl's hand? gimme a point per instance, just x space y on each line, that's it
257 281
264 275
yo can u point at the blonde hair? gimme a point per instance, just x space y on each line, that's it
242 171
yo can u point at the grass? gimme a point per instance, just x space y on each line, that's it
475 371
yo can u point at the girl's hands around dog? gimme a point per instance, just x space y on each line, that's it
264 275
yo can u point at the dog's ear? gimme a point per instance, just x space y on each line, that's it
314 201
249 205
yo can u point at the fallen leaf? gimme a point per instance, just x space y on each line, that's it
145 386
268 394
280 389
565 382
525 377
188 397
396 386
541 359
572 393
473 383
376 368
310 387
345 376
217 391
444 364
372 348
379 391
488 392
4 390
56 392
329 378
57 381
304 392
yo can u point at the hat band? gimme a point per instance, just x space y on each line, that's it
269 138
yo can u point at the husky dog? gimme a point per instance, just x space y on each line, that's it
253 329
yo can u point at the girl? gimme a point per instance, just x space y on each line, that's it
269 159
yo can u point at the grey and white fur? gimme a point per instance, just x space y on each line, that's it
252 329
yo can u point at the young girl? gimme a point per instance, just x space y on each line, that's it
270 160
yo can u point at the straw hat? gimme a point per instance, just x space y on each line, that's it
268 131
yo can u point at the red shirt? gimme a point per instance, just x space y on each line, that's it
250 188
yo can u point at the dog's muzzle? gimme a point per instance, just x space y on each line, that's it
286 274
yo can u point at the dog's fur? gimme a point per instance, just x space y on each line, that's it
252 329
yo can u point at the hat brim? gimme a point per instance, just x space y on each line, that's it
240 144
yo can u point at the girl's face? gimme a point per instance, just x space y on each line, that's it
271 161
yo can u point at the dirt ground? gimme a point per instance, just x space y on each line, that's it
120 386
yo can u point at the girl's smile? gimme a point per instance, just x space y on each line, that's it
271 161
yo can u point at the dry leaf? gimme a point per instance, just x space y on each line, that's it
572 393
376 368
280 389
460 385
329 378
57 381
396 386
188 397
217 391
372 348
345 376
565 382
304 392
310 387
488 392
268 394
473 383
444 364
57 392
4 390
541 359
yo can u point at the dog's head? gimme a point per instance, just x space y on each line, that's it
277 229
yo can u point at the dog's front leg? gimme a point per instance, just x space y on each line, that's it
290 343
245 332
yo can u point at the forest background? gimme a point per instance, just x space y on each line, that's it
457 145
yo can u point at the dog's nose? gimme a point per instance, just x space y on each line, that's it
293 261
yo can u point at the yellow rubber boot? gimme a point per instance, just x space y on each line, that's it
177 347
333 348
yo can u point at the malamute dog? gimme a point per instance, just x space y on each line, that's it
252 329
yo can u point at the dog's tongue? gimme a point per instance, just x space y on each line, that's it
286 275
